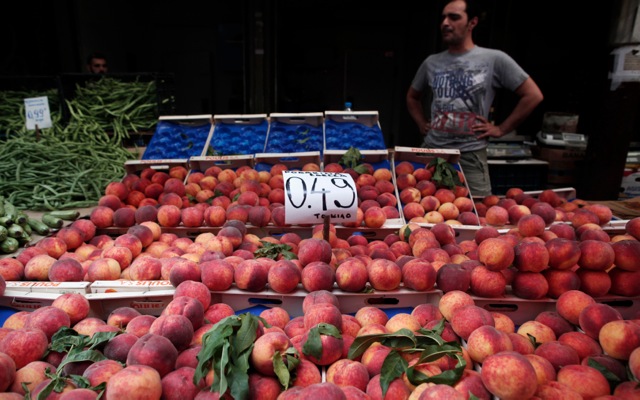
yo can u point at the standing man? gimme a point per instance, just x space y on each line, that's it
462 81
97 63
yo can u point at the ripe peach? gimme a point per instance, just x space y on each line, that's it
509 375
468 318
154 351
584 380
74 304
496 254
418 275
541 332
584 345
571 303
553 320
561 281
384 274
619 338
497 216
24 345
530 285
134 381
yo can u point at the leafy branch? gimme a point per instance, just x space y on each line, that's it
273 250
445 174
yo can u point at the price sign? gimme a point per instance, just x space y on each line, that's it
37 112
311 196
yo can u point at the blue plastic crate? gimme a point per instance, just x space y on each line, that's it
178 140
361 130
239 135
289 138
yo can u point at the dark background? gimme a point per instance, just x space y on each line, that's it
254 57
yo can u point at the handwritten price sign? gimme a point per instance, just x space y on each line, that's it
37 112
311 196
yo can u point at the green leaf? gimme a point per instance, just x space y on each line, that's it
220 372
533 341
100 338
328 329
361 169
239 383
612 378
246 335
273 250
393 367
444 173
313 345
351 158
280 369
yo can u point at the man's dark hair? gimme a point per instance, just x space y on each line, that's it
473 8
96 54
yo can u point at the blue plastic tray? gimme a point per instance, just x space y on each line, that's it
173 140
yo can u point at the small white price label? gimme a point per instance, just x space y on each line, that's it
311 196
37 112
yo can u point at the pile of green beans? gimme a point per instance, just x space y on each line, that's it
109 109
56 173
12 110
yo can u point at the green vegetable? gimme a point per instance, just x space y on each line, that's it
444 173
67 215
52 222
9 245
3 233
39 227
6 221
15 231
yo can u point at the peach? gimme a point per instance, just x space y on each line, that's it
217 312
571 303
496 254
134 381
75 305
314 249
624 283
452 277
561 281
530 285
145 268
531 256
30 376
553 320
351 275
627 254
627 390
187 306
25 345
452 301
317 275
594 316
397 389
521 344
118 348
594 283
37 268
384 274
265 347
509 375
468 318
154 351
182 269
371 315
584 380
103 269
66 270
322 313
619 338
545 372
487 283
48 319
558 354
540 332
497 216
486 340
584 345
531 225
596 255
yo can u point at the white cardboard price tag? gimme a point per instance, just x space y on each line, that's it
311 196
37 112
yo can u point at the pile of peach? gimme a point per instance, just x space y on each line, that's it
584 349
216 195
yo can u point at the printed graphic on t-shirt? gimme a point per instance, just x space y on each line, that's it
458 91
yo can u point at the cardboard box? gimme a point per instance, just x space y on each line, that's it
164 165
359 129
238 134
349 303
22 300
129 286
518 309
564 163
378 159
201 164
421 158
628 307
49 287
148 302
293 133
293 161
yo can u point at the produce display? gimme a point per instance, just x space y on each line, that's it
525 247
231 138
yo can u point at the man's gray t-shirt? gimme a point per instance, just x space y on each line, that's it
463 86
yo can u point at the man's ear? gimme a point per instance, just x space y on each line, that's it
472 23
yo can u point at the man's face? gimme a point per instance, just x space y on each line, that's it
98 66
454 25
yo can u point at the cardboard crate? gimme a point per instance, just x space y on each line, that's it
293 161
378 159
359 129
628 307
151 302
420 158
22 300
49 287
238 134
349 303
293 133
164 165
518 309
177 137
202 163
129 286
565 164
